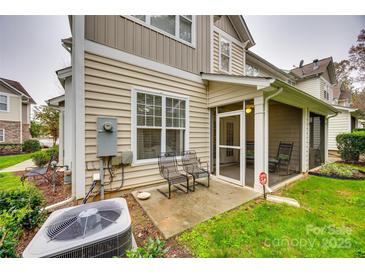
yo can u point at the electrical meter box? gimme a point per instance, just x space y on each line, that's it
107 136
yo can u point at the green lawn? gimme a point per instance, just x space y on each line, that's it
9 182
330 223
6 161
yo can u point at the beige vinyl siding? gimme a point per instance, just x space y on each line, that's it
285 125
14 107
338 124
130 36
225 24
237 56
223 94
311 86
108 85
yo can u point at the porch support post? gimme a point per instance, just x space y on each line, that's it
61 137
325 139
305 140
68 124
78 96
261 142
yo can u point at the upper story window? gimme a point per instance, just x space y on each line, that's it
252 71
4 102
2 135
179 26
225 55
326 92
160 125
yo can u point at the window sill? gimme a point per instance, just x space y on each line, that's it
149 162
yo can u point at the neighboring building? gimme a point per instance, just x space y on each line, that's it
177 83
319 79
15 108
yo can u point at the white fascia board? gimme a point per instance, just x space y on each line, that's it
132 59
64 73
345 108
56 100
239 80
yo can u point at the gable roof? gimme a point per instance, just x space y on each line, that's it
263 63
242 29
19 88
310 70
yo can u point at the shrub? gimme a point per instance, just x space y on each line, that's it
31 145
359 130
41 158
153 249
338 170
53 151
20 208
351 145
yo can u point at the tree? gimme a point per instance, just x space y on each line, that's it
358 101
49 118
35 129
343 74
357 57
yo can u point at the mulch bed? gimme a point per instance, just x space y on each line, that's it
143 228
357 176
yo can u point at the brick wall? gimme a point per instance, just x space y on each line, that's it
26 132
12 131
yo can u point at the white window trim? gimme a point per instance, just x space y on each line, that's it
220 54
164 94
177 28
3 130
7 102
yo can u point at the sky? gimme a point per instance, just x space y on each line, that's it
31 50
285 40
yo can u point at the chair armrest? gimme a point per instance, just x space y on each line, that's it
205 162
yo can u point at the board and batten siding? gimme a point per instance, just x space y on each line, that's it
130 36
108 85
237 55
311 86
338 124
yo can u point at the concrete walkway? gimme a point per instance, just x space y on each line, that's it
19 167
183 211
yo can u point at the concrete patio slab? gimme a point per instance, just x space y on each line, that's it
183 211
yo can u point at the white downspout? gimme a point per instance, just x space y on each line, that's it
266 131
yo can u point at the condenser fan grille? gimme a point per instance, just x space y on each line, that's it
82 222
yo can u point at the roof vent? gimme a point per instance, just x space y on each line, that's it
315 64
301 63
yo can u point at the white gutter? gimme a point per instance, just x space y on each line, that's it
266 135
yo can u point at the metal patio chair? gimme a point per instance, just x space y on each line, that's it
193 166
283 157
168 167
44 172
